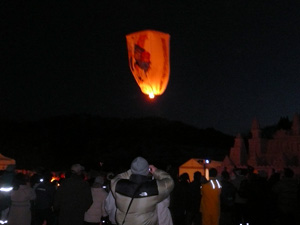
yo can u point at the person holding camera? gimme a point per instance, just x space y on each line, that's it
137 194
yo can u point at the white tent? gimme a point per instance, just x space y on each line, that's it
5 161
201 165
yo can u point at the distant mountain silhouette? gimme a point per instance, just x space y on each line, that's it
58 142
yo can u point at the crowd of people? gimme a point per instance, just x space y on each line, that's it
146 195
238 197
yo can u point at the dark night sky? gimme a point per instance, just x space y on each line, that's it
231 61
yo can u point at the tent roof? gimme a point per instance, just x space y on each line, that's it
4 159
193 162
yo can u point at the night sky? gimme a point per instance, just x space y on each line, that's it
230 61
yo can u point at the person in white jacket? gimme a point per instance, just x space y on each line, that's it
110 207
21 197
163 212
96 210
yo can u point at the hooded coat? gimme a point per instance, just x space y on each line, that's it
147 193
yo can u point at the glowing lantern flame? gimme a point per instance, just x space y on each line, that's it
148 54
151 95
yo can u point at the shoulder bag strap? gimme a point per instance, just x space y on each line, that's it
131 202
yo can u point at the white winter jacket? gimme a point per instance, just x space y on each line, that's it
97 210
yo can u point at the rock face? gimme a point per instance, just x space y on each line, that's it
268 154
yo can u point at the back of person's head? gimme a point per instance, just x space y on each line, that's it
10 168
184 178
98 181
289 173
19 179
140 166
77 169
35 179
197 176
213 172
225 175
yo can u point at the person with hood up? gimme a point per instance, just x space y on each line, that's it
137 194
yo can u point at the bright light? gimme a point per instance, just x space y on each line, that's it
55 178
151 95
8 189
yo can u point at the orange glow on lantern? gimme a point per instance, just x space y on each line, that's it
148 54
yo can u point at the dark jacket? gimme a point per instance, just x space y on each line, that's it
227 196
6 181
286 193
44 196
72 199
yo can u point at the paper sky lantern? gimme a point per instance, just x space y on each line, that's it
148 54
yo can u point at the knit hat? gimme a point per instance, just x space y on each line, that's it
77 168
99 180
140 166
